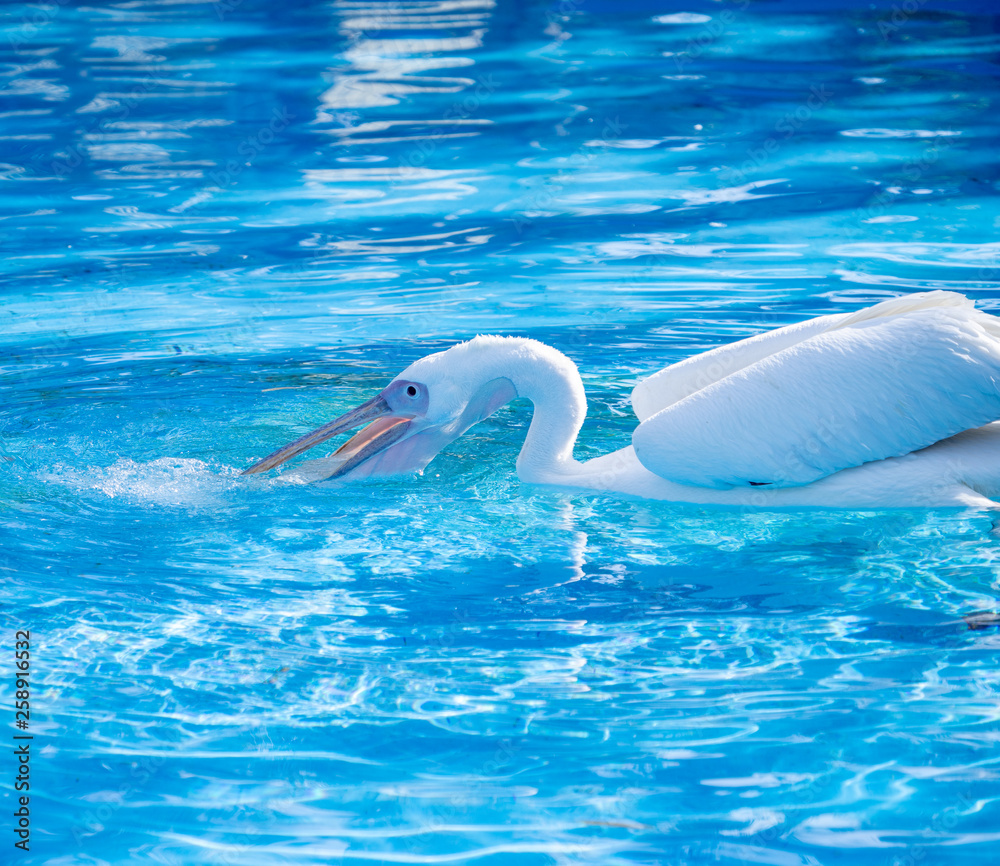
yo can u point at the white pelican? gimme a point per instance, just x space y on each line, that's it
891 406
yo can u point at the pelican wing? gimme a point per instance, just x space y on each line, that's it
684 378
794 405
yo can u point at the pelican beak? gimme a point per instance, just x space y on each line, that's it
387 427
376 437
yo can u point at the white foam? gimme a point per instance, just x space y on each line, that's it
166 481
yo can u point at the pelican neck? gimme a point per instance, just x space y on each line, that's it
552 383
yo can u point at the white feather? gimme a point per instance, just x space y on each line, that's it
798 404
686 377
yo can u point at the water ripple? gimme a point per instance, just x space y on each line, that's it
230 222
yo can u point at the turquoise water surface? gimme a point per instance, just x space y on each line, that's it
225 223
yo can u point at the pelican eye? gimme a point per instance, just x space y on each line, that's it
408 397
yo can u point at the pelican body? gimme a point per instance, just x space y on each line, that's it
896 405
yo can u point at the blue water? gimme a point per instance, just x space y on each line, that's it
225 223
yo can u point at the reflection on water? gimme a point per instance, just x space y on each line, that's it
389 59
245 147
225 223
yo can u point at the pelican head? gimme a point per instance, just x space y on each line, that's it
427 406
